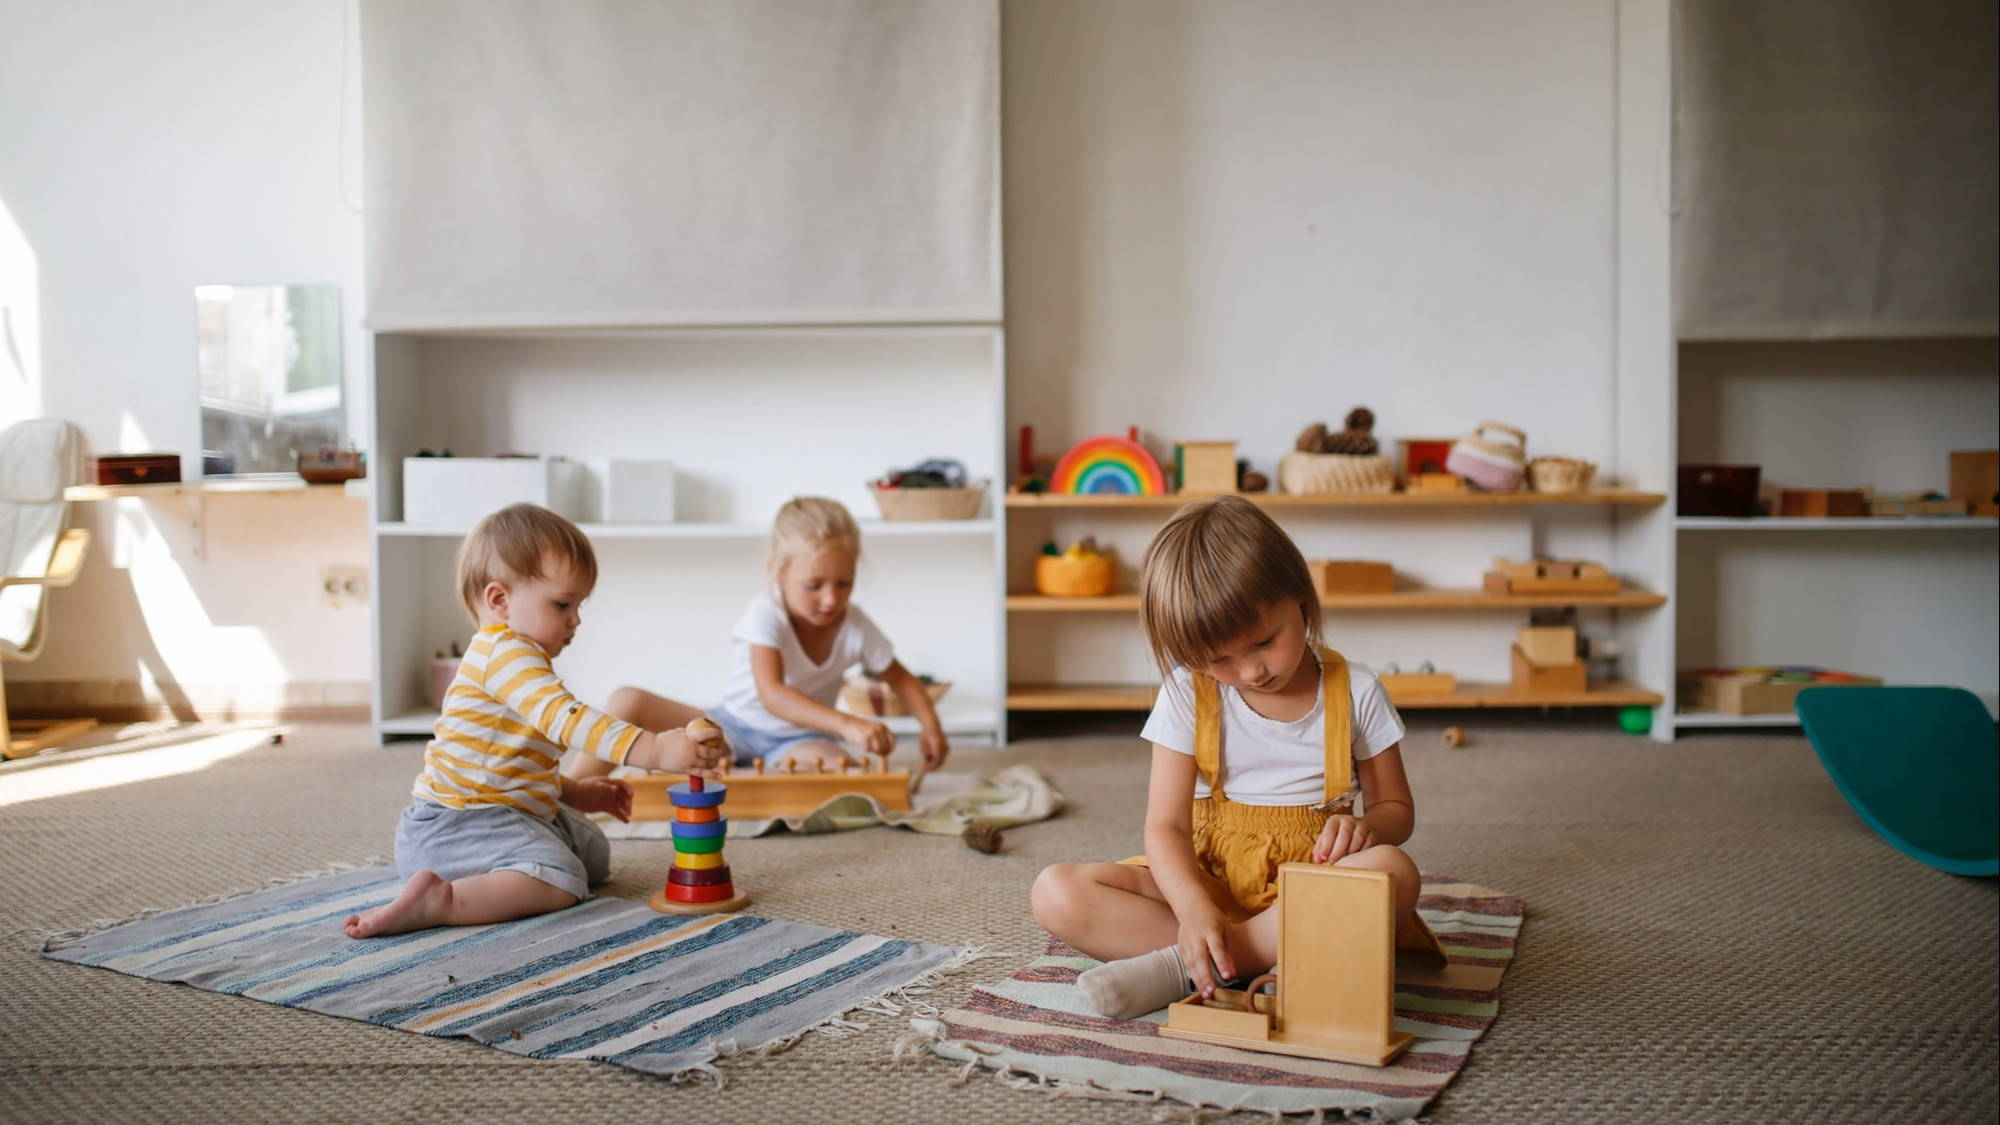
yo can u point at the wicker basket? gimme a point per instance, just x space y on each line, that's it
866 695
929 503
1560 474
1305 473
1062 576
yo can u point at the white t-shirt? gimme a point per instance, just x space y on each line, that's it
1266 762
766 623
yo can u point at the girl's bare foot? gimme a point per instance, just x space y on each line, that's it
421 904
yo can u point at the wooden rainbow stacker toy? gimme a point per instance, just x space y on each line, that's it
1336 975
699 882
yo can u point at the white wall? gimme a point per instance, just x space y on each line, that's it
1230 220
144 149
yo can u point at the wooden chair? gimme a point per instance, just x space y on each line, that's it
38 459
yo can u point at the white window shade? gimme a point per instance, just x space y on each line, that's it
672 162
1837 169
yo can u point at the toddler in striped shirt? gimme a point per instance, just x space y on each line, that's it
496 832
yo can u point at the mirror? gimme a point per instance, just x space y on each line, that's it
269 357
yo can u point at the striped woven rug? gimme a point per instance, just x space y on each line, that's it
607 979
1035 1028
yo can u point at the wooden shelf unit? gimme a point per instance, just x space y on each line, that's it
1139 697
1049 500
1442 599
248 487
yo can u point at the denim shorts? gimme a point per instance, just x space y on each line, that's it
569 853
751 744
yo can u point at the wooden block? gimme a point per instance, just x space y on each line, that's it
1410 685
1210 1018
1975 479
1336 953
1437 482
1531 678
1916 504
1208 466
1352 576
1823 503
1547 644
1762 691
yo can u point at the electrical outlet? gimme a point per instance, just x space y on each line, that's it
341 586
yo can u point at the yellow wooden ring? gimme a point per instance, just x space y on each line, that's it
691 861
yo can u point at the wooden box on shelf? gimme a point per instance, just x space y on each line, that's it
1352 576
1550 576
1717 490
1547 644
133 468
1975 478
1915 504
1208 466
1531 678
1410 685
1823 503
1761 691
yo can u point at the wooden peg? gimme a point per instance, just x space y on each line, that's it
758 767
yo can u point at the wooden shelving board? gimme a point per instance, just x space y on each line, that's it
1139 697
1444 599
252 486
1345 499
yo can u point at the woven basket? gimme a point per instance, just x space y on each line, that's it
1307 473
1560 474
866 695
1091 576
929 503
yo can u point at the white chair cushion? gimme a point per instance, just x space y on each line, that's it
37 460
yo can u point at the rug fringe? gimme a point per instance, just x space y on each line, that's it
926 1040
50 939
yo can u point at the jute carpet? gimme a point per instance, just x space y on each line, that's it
1712 935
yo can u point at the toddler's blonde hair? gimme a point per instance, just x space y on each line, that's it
510 545
1211 573
807 526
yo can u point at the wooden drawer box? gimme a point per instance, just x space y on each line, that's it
133 468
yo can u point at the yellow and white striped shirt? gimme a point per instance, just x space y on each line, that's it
507 720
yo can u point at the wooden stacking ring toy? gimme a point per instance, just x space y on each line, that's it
698 882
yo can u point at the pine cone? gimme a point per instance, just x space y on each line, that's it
982 836
1355 440
1312 439
1361 418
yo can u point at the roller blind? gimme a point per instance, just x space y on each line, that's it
659 162
1836 167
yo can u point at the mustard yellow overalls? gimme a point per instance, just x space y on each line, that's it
1242 846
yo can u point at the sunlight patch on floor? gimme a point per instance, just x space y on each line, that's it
124 769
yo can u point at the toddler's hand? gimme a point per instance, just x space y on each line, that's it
934 747
708 750
869 735
1343 836
1204 946
600 794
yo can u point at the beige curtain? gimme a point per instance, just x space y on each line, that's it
1836 165
642 162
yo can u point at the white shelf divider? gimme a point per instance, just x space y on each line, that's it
1863 523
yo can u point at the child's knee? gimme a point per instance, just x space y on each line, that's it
626 703
1055 895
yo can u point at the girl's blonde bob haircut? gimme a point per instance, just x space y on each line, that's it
809 525
510 546
1210 575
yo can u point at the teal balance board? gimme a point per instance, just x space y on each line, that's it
1920 764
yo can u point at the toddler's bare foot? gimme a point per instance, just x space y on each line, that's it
420 905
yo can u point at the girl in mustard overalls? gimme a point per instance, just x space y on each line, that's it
1262 739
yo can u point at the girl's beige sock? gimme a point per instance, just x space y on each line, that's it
1132 987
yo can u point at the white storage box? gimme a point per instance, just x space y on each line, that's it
457 491
621 491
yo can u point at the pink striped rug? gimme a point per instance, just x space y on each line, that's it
1035 1029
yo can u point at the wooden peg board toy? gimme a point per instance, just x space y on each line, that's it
699 882
1336 975
1550 576
786 791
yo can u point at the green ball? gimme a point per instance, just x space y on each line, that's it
1635 719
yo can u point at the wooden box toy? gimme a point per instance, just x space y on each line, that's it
1405 686
1207 466
1916 504
1531 678
1717 490
133 468
1352 576
1975 478
1823 503
457 491
1761 690
1547 644
1425 457
1550 576
757 793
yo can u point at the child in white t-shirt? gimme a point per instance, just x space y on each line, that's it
1263 738
792 647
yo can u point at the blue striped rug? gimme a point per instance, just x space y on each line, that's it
607 979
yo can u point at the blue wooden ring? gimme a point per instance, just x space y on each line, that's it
709 796
717 827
